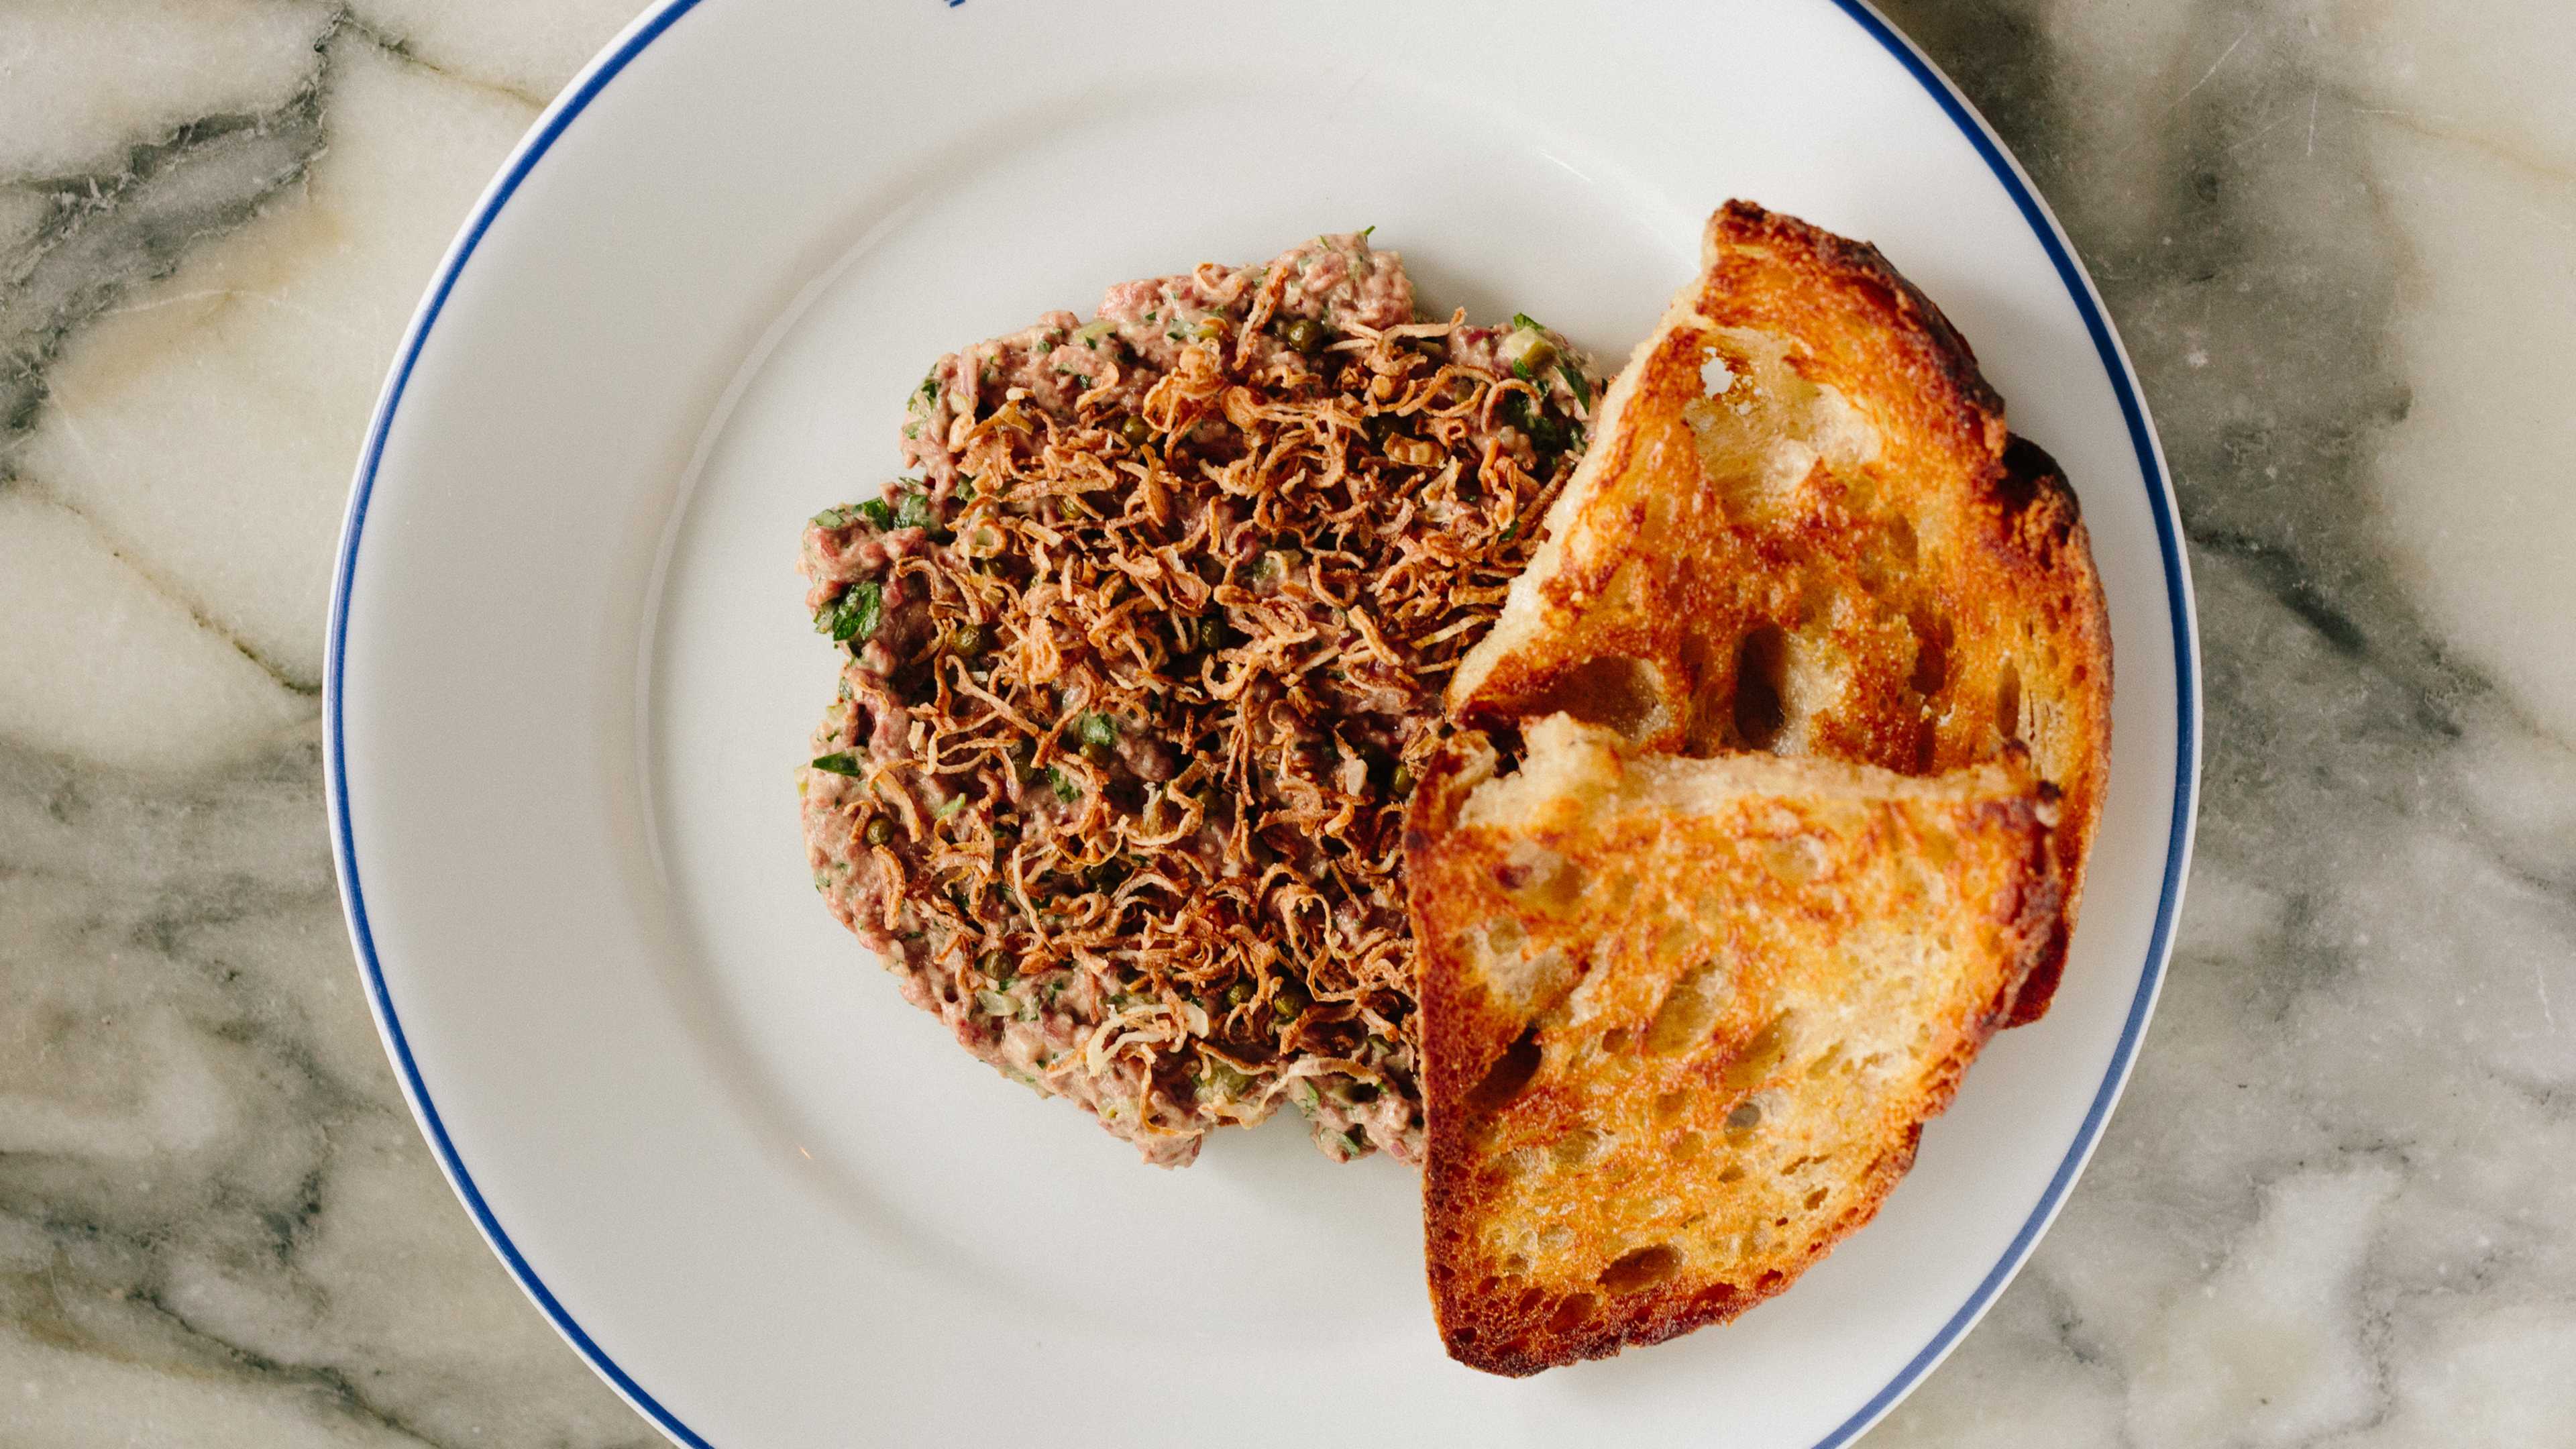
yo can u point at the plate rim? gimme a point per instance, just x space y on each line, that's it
2182 610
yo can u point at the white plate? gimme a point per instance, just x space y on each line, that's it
569 676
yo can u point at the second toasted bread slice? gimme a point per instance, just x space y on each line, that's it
1803 528
1683 1020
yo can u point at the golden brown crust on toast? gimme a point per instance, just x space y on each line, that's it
1803 527
1683 1020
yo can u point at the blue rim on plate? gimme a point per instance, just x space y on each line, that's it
2079 287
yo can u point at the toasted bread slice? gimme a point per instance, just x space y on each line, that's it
1683 1020
1802 528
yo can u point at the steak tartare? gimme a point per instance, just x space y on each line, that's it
1140 661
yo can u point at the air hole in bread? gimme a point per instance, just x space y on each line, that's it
1462 1337
1733 1172
1792 860
1625 695
1761 673
1509 1075
1704 734
1825 1061
1578 1147
1674 938
1818 601
1670 1105
1816 1199
1623 889
1643 1268
2008 701
1688 1144
1745 1117
1542 879
1571 1313
1760 1055
1504 937
1516 1265
1931 655
1860 495
1533 984
1689 1010
1900 538
1617 1041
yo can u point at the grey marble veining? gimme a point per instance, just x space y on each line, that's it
2334 1210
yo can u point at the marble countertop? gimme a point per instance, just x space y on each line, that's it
2335 1208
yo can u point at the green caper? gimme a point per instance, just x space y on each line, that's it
880 830
1212 631
1135 430
1402 783
1239 993
1306 335
1211 329
967 639
1291 1001
1219 1079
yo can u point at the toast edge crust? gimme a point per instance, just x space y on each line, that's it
2051 532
